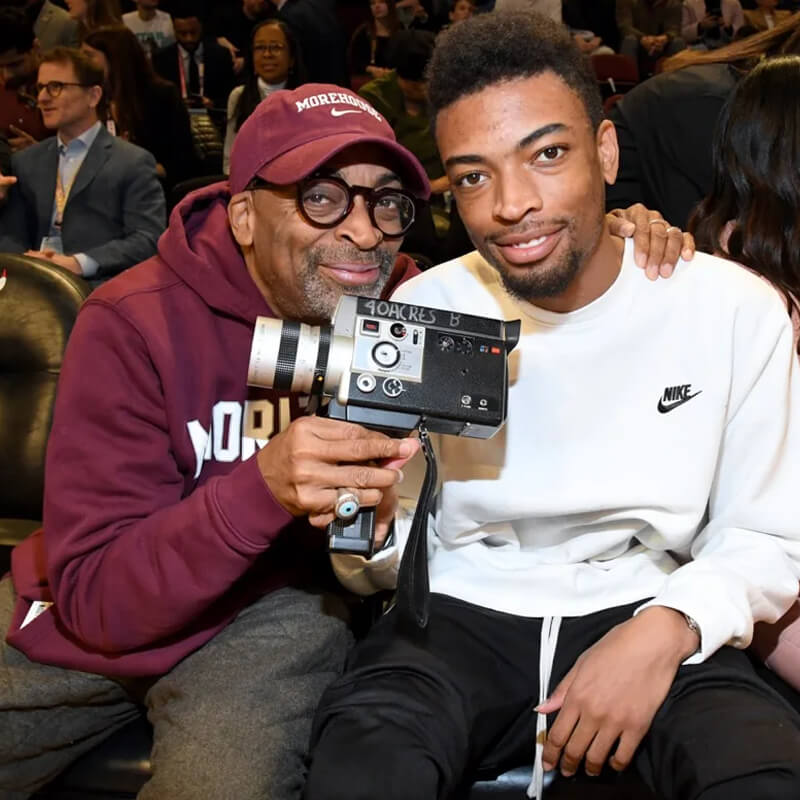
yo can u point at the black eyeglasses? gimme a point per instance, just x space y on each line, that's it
54 88
325 200
270 47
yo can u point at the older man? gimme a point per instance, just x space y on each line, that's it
176 550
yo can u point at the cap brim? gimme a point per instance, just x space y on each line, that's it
300 162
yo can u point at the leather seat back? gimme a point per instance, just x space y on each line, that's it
38 306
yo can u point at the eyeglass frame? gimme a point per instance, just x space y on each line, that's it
61 84
270 47
370 195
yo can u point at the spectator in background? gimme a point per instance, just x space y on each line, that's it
153 28
461 10
708 24
765 16
402 97
752 215
20 120
141 106
232 24
94 13
5 164
547 8
198 66
367 55
649 29
413 13
274 62
316 27
665 125
52 25
108 209
597 16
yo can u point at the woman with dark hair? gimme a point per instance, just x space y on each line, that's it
142 107
273 62
91 14
367 55
752 215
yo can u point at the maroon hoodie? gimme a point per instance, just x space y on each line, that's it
158 527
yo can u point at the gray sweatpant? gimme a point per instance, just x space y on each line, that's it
232 720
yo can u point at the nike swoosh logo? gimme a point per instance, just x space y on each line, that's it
665 408
335 112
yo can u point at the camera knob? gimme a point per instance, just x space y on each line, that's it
393 387
386 354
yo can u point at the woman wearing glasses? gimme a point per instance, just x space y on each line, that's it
273 62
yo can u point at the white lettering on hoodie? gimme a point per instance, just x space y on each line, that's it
237 430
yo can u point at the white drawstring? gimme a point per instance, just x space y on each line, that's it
547 651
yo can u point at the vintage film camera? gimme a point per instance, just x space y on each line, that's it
391 367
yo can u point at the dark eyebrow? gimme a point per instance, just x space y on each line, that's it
383 180
545 130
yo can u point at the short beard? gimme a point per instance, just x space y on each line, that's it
321 297
534 283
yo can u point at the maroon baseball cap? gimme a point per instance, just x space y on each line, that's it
292 133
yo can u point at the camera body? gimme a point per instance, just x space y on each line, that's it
391 366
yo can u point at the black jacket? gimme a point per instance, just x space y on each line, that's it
218 78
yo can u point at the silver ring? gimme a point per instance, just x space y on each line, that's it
673 228
658 221
347 505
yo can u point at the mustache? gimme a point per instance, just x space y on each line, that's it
352 255
526 229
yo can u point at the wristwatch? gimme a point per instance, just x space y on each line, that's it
693 626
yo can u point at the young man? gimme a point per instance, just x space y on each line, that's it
153 27
197 65
85 200
597 567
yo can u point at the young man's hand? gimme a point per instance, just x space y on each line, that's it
614 691
657 245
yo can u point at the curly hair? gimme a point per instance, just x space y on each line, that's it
502 46
755 194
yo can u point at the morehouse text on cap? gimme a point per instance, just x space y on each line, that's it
294 132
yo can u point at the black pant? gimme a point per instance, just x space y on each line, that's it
418 717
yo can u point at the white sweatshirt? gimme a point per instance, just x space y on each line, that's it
592 497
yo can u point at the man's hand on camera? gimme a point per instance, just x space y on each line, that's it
657 245
306 464
614 690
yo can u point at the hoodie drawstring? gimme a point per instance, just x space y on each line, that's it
547 651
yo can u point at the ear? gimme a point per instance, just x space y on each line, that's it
608 150
95 95
241 216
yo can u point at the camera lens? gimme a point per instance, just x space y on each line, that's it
292 356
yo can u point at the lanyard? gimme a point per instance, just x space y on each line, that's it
62 195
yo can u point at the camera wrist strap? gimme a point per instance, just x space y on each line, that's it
413 591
